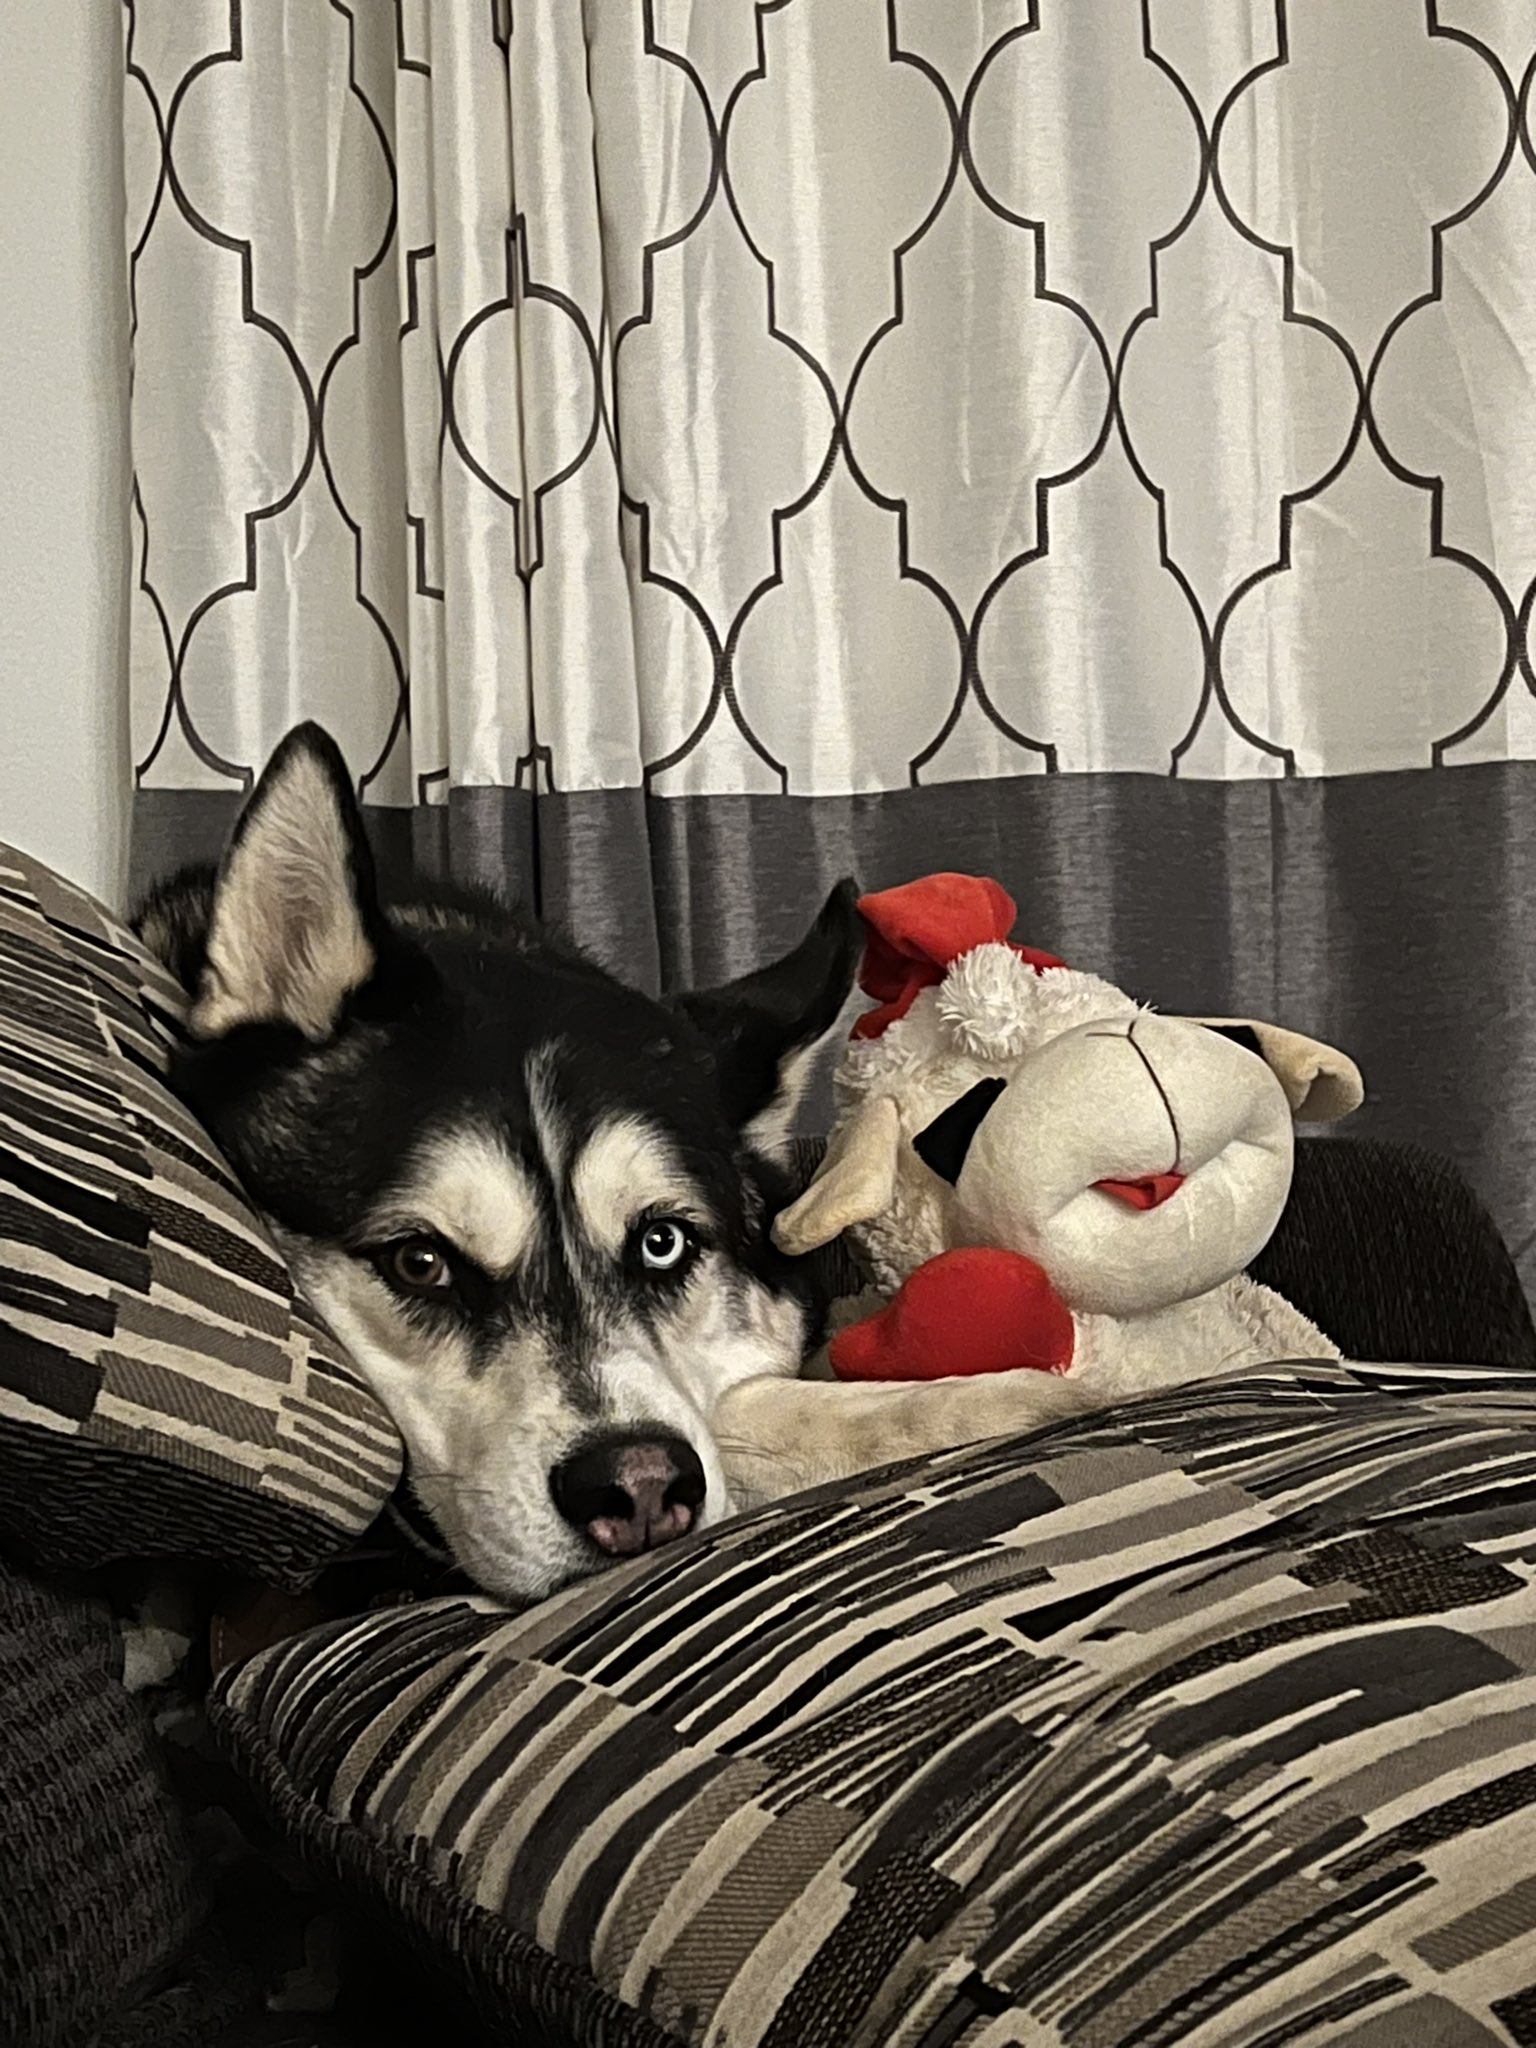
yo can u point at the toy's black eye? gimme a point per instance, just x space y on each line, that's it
665 1244
1240 1034
946 1141
416 1266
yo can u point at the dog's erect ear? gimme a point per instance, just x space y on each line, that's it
295 917
765 1028
1320 1084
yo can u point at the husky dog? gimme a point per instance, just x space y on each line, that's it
533 1204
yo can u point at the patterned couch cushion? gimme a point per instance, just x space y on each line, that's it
1208 1721
161 1389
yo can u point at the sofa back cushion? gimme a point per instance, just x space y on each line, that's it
162 1387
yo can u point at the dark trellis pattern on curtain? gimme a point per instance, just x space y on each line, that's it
685 453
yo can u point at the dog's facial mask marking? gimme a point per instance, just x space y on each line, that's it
625 1171
532 1203
620 1324
473 1195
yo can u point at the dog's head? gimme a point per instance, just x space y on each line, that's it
534 1204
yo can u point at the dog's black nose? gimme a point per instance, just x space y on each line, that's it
630 1492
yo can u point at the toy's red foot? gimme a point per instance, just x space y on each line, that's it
964 1312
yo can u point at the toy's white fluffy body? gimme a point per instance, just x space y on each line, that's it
1239 1323
1118 1358
990 1010
1078 1108
986 1018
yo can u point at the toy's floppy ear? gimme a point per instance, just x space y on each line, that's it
1320 1084
856 1181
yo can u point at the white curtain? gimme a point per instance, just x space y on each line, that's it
831 396
688 448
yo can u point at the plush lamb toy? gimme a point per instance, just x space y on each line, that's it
1045 1180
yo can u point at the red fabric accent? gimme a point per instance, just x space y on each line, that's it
917 932
964 1312
1150 1192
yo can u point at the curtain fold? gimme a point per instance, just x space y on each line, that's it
688 452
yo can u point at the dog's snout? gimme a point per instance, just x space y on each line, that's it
629 1493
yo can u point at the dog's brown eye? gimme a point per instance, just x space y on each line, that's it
416 1266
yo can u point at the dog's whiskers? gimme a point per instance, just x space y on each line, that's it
452 1479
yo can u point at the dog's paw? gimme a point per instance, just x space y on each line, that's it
783 1436
760 1428
756 1443
755 1479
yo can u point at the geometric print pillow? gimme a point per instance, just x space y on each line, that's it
162 1389
1202 1722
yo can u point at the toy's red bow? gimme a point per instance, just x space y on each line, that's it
918 932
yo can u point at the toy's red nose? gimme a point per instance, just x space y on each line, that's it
1150 1192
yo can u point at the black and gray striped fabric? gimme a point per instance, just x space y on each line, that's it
161 1388
1208 1721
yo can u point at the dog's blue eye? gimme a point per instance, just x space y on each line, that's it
665 1244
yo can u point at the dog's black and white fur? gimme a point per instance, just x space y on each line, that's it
532 1203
